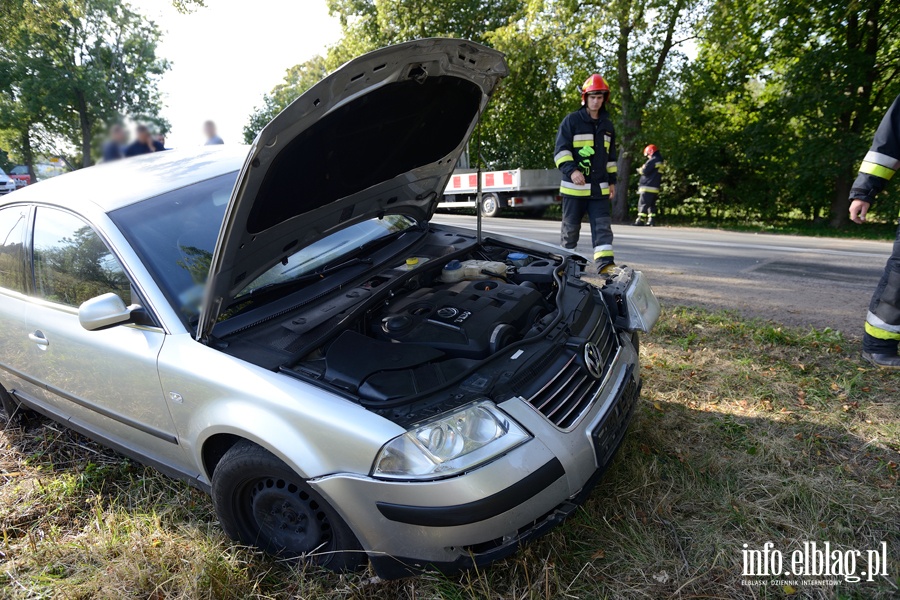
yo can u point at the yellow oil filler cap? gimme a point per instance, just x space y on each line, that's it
412 262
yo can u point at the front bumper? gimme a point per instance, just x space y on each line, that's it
485 514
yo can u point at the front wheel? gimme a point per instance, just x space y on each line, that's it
262 502
490 205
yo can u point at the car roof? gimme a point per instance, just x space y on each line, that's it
120 183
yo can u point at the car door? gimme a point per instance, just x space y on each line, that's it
106 381
14 343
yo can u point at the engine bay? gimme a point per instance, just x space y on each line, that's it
438 316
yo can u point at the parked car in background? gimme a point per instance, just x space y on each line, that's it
21 176
349 381
7 183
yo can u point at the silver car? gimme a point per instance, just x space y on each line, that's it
284 328
7 183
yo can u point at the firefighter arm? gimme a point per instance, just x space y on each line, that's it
882 160
563 153
612 158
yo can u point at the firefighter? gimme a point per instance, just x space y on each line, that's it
586 154
648 186
882 329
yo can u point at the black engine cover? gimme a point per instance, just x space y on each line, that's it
469 319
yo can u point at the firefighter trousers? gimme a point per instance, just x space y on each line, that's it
883 320
647 205
598 212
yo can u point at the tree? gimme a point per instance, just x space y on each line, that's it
297 80
802 87
87 62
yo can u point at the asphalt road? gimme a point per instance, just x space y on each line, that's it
793 280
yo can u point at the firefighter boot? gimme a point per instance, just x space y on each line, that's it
650 222
604 268
638 222
883 361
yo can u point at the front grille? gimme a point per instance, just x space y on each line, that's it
570 393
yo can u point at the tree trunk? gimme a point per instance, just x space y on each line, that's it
840 202
28 152
84 120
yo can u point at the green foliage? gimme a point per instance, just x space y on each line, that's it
297 80
780 106
762 108
68 67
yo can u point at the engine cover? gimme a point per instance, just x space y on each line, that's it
469 319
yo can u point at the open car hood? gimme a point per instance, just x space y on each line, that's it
379 135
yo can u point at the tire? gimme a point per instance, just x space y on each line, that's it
262 502
490 205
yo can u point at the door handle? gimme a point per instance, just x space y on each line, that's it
38 338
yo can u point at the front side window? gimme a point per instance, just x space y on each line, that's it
71 263
12 250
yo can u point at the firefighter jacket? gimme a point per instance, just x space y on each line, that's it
651 174
882 160
590 147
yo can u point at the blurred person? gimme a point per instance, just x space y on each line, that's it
143 143
113 147
161 138
586 154
882 328
212 138
649 184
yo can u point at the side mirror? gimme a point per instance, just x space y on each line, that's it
105 311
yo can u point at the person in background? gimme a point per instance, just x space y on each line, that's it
649 184
143 143
586 155
882 329
161 139
113 147
212 138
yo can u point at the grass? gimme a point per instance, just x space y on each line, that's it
747 432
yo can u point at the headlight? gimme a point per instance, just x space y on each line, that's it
450 444
643 307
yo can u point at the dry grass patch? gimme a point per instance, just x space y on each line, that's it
747 433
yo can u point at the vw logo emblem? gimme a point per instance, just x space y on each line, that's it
593 360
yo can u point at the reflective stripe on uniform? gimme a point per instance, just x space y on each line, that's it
878 322
573 189
563 157
604 189
583 139
644 188
881 334
882 159
611 167
877 170
604 251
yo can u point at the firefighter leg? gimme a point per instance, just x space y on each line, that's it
650 204
882 333
601 232
642 208
573 210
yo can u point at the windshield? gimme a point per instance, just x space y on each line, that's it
175 235
20 170
328 250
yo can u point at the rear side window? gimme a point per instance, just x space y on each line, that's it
12 250
71 263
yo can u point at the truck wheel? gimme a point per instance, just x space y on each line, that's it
490 205
262 502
